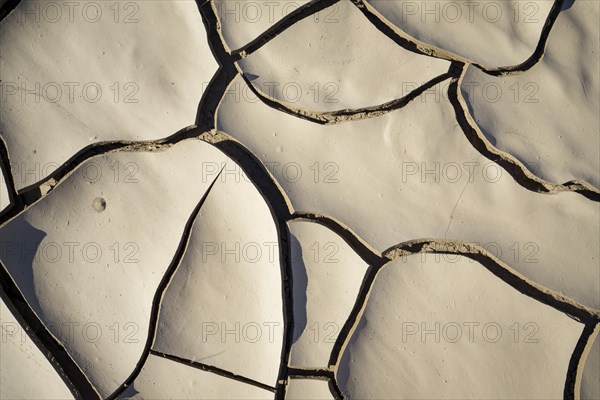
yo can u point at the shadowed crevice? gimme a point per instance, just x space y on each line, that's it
318 374
212 97
14 201
7 7
577 361
292 18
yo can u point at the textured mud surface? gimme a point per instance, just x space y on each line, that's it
326 199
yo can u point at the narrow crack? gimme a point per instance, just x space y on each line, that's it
454 209
319 374
214 370
352 320
359 246
161 290
281 208
538 53
14 201
402 39
290 19
53 350
501 270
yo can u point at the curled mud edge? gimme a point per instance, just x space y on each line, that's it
283 24
410 43
514 167
368 254
345 115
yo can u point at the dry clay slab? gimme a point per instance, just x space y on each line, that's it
439 327
320 66
74 75
327 275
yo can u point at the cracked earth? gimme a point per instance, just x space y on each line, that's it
326 199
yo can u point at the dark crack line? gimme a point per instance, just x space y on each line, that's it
352 320
258 174
215 91
498 268
253 168
53 350
280 211
14 201
212 369
335 389
212 97
318 374
211 24
360 247
426 49
8 7
539 50
341 116
283 24
506 161
310 373
401 41
577 362
26 197
161 289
